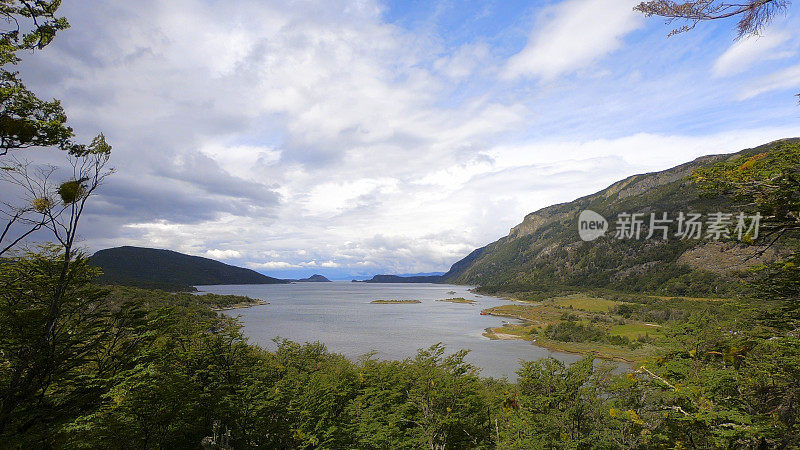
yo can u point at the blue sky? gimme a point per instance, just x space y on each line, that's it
354 138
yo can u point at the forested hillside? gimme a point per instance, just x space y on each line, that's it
545 251
165 269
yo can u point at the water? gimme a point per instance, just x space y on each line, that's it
339 314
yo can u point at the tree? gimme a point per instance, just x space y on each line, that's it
29 122
25 120
46 343
753 15
766 181
30 25
51 205
770 183
50 317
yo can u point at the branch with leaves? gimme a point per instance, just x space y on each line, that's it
27 25
50 205
753 15
27 121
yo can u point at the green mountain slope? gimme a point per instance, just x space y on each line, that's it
165 269
545 251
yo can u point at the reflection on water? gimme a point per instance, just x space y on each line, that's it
340 315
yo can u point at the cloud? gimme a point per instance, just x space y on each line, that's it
751 49
572 35
463 62
333 198
273 265
223 254
301 137
788 78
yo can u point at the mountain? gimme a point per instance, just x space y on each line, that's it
316 278
401 276
420 274
401 279
545 252
165 269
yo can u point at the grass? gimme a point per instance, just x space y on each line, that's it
537 315
634 330
600 350
584 303
693 299
394 302
642 340
457 300
583 308
509 331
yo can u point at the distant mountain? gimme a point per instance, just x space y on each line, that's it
399 279
316 278
545 251
420 274
166 269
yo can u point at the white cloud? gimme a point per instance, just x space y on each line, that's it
273 265
333 198
223 254
788 78
572 35
747 51
463 62
328 139
242 160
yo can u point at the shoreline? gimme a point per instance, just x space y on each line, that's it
242 305
560 347
536 317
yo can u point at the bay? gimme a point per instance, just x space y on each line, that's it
340 315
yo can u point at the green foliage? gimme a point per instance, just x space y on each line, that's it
161 298
132 368
781 281
32 25
25 120
770 181
42 204
571 331
48 339
746 173
145 369
554 406
71 191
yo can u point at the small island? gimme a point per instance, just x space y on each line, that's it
316 278
394 302
457 300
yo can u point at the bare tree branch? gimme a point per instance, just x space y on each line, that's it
754 15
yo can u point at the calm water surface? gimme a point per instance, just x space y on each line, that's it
340 315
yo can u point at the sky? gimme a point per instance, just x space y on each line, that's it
351 138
